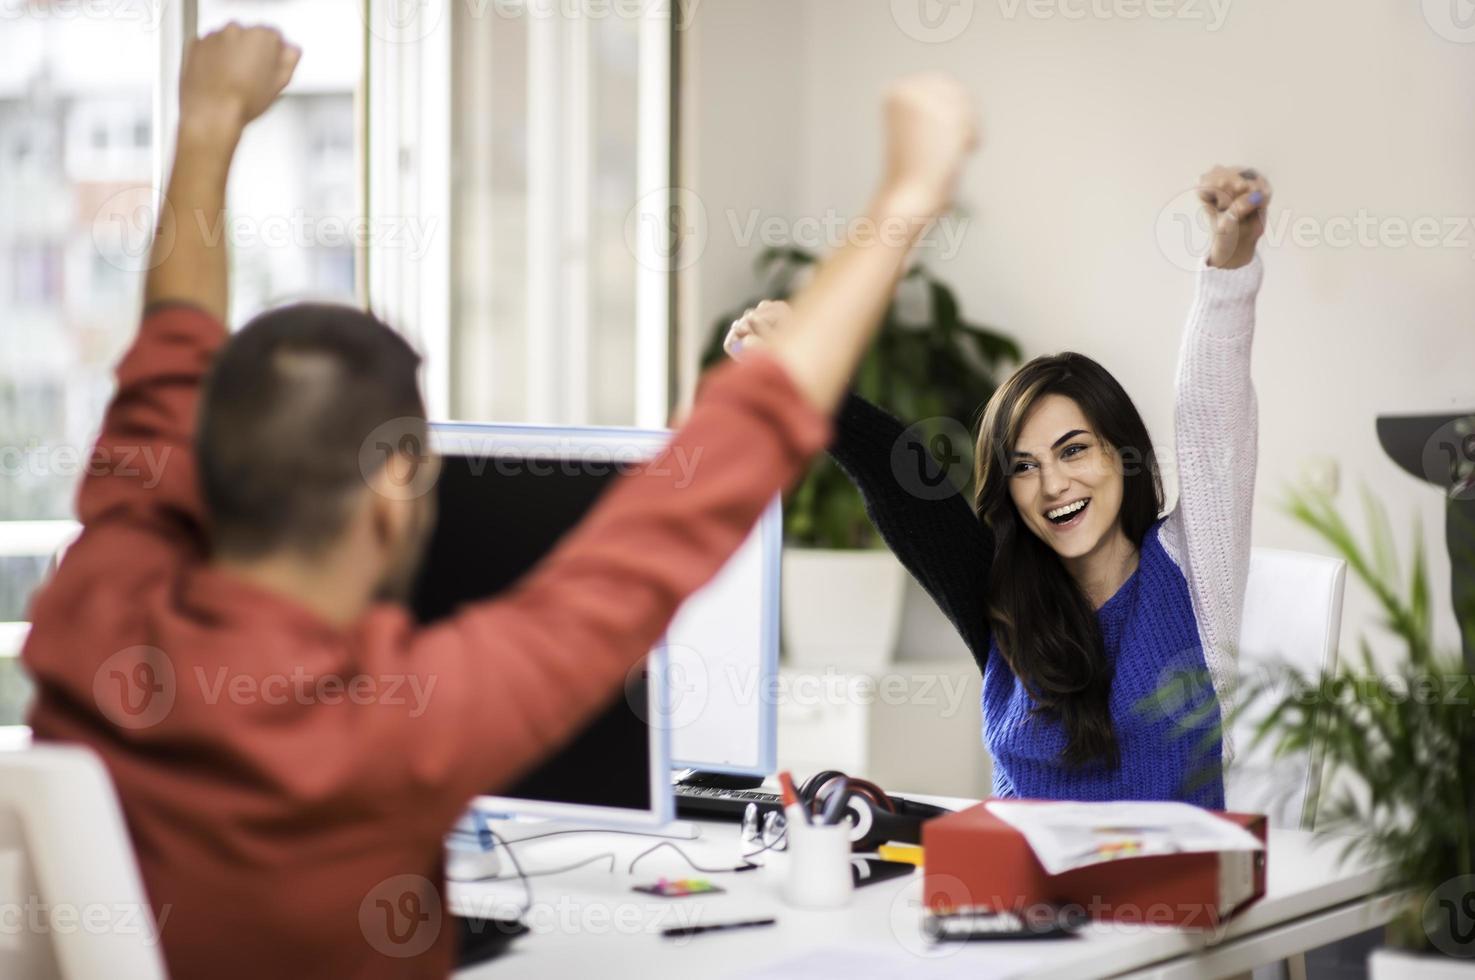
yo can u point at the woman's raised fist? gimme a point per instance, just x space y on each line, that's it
1235 200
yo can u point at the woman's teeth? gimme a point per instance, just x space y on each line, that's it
1062 515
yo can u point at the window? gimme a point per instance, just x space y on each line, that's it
293 199
66 86
100 133
36 274
505 153
551 136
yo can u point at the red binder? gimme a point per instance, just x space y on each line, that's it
974 859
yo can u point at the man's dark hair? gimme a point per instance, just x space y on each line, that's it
287 407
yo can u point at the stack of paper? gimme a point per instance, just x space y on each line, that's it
1065 836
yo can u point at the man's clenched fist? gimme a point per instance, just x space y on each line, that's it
931 128
234 74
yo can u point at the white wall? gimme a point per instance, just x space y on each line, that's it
742 112
1093 126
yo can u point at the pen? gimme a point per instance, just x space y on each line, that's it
676 931
835 805
791 798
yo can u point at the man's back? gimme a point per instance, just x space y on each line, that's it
287 782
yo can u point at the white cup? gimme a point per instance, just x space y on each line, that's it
819 865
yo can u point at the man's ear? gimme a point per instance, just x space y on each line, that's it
394 503
389 519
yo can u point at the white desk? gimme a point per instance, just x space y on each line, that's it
588 922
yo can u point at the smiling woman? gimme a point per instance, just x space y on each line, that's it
1068 518
1073 461
1078 599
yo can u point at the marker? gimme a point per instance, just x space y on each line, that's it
791 799
908 853
677 931
835 805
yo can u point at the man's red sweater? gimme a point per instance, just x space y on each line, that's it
274 828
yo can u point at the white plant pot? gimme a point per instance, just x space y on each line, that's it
926 634
1395 964
841 609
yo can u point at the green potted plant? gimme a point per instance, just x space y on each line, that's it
842 590
1407 737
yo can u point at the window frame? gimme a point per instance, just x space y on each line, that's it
403 151
41 538
408 161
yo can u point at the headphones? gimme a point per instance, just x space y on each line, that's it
874 817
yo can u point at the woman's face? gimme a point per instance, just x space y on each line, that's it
1061 467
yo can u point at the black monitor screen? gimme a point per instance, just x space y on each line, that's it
497 518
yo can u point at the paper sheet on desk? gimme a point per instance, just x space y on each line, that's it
1065 836
890 962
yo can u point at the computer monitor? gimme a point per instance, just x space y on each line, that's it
506 495
723 649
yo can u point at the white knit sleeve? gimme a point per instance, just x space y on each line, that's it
1207 534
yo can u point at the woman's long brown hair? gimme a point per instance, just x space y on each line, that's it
1042 621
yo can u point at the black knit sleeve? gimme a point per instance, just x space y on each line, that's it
938 539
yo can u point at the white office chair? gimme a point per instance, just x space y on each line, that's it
69 887
1292 614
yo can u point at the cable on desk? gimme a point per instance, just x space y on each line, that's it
695 867
549 871
574 830
527 886
766 847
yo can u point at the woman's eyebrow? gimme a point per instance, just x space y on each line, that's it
1069 435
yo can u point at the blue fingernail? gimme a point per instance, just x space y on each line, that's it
737 346
1257 199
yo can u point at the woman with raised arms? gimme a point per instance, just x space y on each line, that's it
1077 595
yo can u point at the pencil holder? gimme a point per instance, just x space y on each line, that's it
819 866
